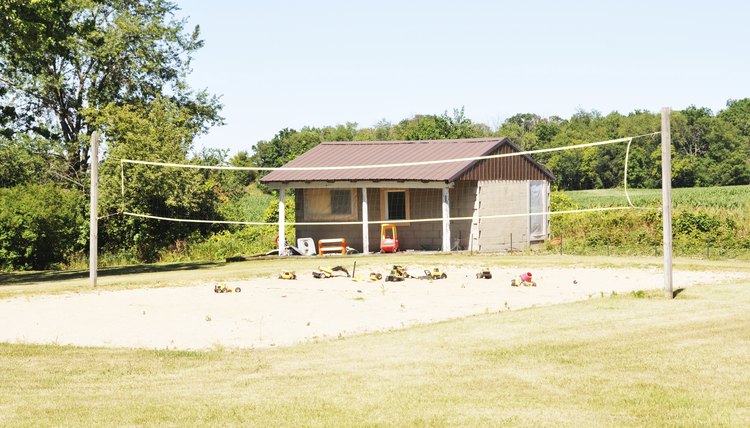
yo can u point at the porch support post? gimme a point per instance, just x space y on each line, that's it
446 220
365 225
282 222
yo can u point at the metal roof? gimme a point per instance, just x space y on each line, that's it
330 154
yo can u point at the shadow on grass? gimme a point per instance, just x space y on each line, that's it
18 278
677 292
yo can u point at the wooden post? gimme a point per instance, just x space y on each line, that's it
365 225
446 220
94 210
282 223
474 235
666 197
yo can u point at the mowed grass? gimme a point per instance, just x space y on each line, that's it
629 360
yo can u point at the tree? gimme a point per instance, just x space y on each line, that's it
243 159
432 127
527 121
690 129
62 59
40 225
459 126
419 127
23 160
383 130
738 114
158 131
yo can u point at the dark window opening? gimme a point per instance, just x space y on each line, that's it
396 205
341 202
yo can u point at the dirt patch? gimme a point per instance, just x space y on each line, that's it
275 312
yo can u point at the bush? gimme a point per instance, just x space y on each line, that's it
40 226
238 240
560 201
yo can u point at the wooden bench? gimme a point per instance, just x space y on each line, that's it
336 245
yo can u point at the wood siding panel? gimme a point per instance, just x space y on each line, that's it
510 168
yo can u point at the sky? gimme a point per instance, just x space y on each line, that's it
288 64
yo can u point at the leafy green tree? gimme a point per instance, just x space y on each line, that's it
62 59
158 131
432 127
738 114
383 130
689 130
419 127
40 226
243 159
24 160
517 133
527 122
459 126
345 132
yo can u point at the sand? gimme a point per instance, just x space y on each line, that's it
275 312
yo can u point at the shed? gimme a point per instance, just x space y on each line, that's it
468 203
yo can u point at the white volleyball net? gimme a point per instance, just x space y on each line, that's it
336 207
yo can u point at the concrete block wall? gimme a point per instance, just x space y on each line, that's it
503 197
462 197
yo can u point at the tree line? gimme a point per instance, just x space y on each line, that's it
70 68
708 149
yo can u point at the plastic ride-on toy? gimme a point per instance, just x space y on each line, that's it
388 238
523 279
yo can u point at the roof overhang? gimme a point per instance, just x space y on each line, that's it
349 184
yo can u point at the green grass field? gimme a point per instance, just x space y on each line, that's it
628 360
727 197
706 222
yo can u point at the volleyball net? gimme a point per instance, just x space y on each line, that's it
474 215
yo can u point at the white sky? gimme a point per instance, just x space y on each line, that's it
281 64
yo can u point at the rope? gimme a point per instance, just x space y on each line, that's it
422 220
625 176
404 164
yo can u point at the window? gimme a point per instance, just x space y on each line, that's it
341 202
395 204
330 204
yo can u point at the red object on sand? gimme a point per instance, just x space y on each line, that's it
388 238
526 277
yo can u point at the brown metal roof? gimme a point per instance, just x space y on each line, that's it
354 153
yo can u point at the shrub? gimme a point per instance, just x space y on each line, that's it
40 225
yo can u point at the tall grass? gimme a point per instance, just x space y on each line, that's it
727 197
711 221
238 240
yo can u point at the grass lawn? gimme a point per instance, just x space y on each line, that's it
629 360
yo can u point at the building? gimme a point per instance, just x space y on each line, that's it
465 204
